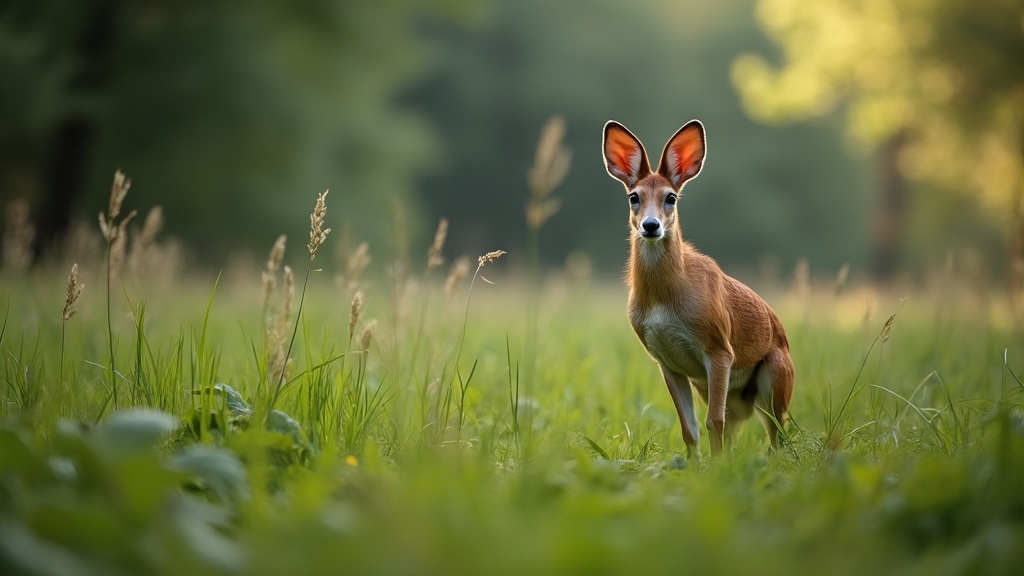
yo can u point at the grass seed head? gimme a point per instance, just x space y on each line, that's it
353 319
434 258
276 362
143 257
553 158
367 335
108 222
458 273
490 257
119 245
269 274
550 166
151 226
117 193
317 232
887 327
74 293
358 260
277 332
487 259
289 293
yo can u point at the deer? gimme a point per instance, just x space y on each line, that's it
707 331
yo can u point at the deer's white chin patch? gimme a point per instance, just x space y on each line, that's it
650 248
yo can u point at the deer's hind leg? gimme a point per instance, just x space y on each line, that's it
774 390
738 408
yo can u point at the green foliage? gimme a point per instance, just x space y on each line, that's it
410 111
945 73
904 453
219 111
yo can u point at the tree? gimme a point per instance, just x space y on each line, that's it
937 85
230 115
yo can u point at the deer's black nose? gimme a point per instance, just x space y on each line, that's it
651 225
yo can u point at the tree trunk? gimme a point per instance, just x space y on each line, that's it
75 136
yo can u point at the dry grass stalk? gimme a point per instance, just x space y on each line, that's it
74 293
550 167
151 227
119 247
357 305
277 332
457 273
487 259
19 233
317 232
144 256
114 232
367 335
269 274
490 257
276 363
358 260
289 294
317 235
434 258
108 221
117 193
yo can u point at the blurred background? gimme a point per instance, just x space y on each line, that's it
885 135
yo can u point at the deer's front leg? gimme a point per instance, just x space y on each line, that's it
682 397
718 366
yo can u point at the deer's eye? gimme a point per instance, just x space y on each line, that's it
634 198
670 199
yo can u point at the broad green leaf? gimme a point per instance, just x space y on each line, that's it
282 423
215 469
134 430
233 399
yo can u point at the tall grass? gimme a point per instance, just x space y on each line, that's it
397 447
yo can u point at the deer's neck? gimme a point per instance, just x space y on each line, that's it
657 270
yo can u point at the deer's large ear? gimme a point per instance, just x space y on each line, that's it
683 156
624 155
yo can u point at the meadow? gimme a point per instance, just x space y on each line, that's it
451 417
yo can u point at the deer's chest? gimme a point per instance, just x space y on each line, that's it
670 341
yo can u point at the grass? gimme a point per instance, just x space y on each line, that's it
413 449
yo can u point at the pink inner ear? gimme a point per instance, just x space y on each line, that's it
622 160
688 152
621 152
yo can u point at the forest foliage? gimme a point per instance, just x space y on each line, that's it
412 111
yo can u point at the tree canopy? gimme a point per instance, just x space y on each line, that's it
230 115
233 116
947 74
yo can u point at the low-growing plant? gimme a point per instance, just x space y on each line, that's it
348 443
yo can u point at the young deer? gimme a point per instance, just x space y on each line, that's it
705 329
